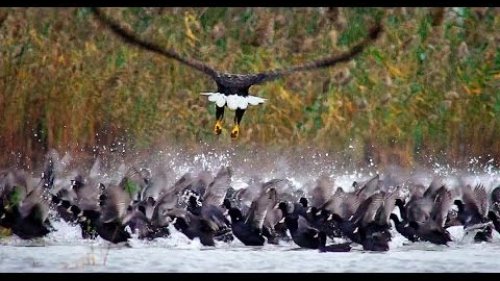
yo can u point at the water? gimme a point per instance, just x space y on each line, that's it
65 251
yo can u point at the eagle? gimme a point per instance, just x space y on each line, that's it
233 89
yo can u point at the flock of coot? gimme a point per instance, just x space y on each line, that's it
206 206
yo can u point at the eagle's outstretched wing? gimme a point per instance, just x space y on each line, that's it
169 53
241 81
263 77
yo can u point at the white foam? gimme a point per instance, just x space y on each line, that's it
65 250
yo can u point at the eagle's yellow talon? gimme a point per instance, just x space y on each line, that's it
218 127
235 132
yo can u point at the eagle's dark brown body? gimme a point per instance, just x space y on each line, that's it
233 89
235 81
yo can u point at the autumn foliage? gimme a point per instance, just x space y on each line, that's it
428 86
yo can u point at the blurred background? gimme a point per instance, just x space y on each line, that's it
429 87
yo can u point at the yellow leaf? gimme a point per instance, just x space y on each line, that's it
4 232
476 91
90 46
350 107
284 94
188 21
466 89
394 70
35 37
190 35
473 91
419 98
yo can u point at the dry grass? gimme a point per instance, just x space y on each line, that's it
429 86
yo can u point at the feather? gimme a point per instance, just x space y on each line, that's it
322 192
388 206
481 197
242 102
350 205
209 94
260 207
220 100
273 217
375 202
30 201
232 102
217 98
442 205
87 194
213 96
419 210
181 184
115 205
214 216
158 185
169 53
369 187
334 204
180 213
216 191
236 80
166 202
304 226
252 100
476 199
433 188
263 77
95 171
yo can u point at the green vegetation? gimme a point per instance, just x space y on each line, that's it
130 187
429 86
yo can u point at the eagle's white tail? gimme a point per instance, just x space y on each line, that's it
233 101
